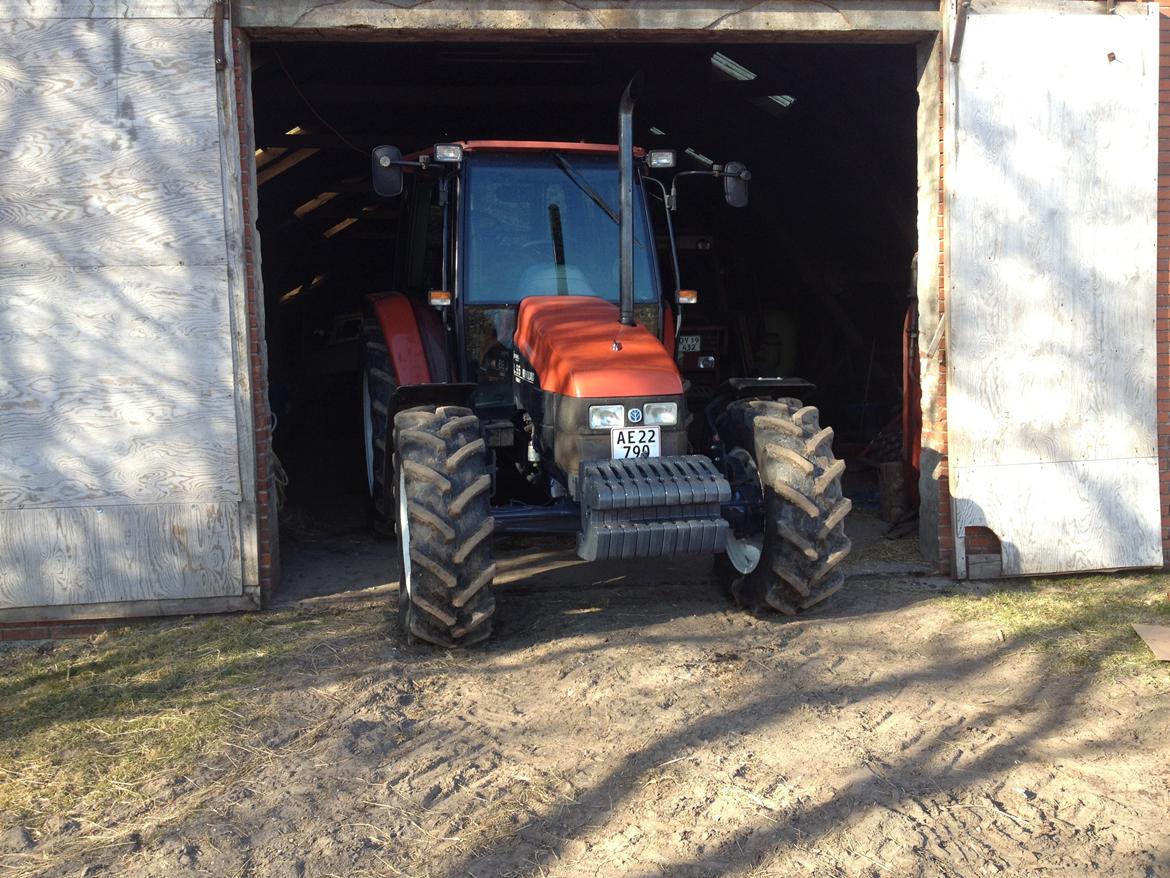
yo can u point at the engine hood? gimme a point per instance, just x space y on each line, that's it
569 341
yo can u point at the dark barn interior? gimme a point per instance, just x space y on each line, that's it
812 279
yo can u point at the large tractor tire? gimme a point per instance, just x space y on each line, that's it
777 451
442 493
377 417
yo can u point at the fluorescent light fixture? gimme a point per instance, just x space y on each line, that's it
656 131
783 100
695 154
733 69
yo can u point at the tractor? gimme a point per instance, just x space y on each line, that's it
522 379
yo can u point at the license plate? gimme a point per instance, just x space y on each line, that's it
627 442
688 344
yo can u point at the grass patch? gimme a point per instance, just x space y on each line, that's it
92 723
1078 622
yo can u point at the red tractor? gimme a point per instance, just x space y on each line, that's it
524 380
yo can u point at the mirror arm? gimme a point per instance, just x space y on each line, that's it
672 200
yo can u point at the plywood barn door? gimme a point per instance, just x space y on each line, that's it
1052 180
121 479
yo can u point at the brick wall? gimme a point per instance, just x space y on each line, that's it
936 533
266 512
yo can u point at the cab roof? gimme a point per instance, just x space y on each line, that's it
470 146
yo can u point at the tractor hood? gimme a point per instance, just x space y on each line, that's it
576 347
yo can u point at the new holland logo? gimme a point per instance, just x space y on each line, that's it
635 416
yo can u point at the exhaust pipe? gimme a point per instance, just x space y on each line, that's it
626 198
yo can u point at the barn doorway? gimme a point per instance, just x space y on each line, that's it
814 278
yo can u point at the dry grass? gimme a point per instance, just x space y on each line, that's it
1078 622
93 724
905 549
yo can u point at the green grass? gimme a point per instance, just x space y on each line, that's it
1077 622
92 723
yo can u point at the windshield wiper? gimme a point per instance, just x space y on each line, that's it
583 185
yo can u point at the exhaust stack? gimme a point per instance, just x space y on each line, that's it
626 198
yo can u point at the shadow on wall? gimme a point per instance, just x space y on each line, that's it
119 468
1052 373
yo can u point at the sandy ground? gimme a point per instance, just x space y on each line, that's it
628 721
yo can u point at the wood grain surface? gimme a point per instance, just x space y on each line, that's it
1086 515
111 132
133 310
98 554
236 219
1051 382
97 9
120 476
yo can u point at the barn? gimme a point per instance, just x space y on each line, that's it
958 230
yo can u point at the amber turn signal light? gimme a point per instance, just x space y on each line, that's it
440 298
688 297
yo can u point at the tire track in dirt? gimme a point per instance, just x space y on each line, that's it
631 722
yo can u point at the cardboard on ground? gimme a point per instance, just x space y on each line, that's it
1157 638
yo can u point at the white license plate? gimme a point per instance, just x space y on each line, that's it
627 442
688 344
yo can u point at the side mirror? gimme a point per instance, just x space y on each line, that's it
735 183
386 171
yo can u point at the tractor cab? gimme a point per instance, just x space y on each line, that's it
491 223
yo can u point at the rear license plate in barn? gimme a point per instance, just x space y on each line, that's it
629 442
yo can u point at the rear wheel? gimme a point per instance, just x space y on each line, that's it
377 396
443 517
778 454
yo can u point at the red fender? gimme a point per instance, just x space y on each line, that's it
400 326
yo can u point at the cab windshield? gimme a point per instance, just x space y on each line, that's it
543 224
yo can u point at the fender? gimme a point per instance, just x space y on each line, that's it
414 335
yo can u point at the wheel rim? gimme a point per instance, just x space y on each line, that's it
368 425
403 534
744 551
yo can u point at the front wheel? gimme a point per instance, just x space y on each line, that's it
786 558
443 520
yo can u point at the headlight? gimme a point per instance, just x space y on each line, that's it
661 413
601 416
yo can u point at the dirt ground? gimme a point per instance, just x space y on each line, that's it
628 721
